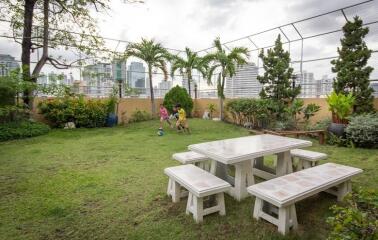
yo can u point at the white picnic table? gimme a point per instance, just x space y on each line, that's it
243 152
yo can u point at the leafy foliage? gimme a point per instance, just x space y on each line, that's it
23 129
340 105
84 113
140 116
226 64
55 19
212 108
186 66
155 56
178 95
310 110
255 111
294 109
277 79
358 219
352 73
362 130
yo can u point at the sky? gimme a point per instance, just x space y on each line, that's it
196 23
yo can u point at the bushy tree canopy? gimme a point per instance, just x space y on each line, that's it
178 95
351 66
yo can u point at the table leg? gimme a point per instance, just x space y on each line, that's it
284 164
243 179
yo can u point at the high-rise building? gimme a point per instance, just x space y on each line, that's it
244 83
308 84
327 83
136 75
7 64
164 87
374 85
119 70
98 78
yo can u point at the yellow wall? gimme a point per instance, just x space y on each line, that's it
128 105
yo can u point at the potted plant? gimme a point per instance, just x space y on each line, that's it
341 107
112 105
212 108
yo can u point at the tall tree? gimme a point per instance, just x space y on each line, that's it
155 56
225 63
186 66
351 66
46 24
277 79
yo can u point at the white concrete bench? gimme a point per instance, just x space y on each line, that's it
193 158
306 158
200 184
283 192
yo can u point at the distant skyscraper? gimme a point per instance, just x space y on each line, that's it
164 87
326 85
244 83
308 84
374 85
98 78
7 64
119 70
97 73
136 75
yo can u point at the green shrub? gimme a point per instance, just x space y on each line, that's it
7 92
362 130
84 113
178 95
341 106
255 111
357 219
23 129
140 116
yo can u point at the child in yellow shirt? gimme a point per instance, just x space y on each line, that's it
182 123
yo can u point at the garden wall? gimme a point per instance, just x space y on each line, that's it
128 105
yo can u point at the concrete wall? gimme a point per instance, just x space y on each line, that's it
128 105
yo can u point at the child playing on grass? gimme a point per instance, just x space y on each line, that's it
182 123
164 116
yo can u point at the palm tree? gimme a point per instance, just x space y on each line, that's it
155 56
187 65
226 64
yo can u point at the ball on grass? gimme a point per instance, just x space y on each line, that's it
160 133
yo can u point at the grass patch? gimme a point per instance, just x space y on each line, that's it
108 183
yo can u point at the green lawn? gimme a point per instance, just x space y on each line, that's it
109 184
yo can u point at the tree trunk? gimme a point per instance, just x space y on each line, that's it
153 111
26 47
221 108
42 61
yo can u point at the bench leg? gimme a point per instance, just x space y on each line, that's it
293 217
176 193
257 208
343 189
169 188
197 209
189 204
300 164
306 164
220 203
213 167
283 220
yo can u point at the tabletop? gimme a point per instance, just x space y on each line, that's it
234 150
